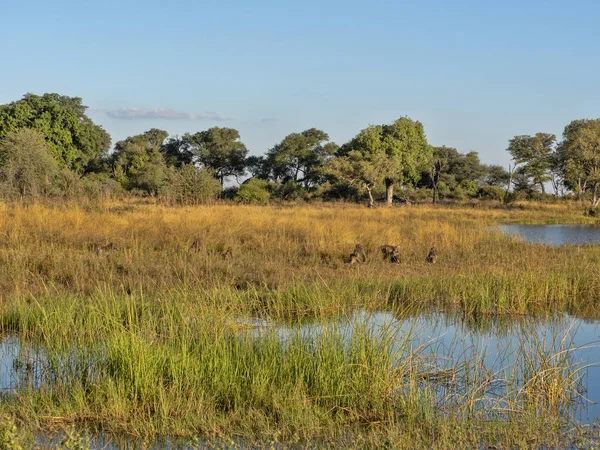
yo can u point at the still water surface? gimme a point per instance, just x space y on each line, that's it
554 234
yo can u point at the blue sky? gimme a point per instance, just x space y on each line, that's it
475 73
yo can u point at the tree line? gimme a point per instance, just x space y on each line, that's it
50 147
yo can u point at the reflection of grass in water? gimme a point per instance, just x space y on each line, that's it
176 367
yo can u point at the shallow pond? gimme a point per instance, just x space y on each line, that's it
554 234
485 345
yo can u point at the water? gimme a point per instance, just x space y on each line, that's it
442 342
554 234
487 345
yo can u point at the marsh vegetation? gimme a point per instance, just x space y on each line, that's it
156 335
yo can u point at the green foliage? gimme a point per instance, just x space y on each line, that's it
191 186
300 157
138 163
218 150
533 156
177 151
453 174
362 170
99 186
26 166
253 191
579 157
496 176
393 153
74 440
492 193
73 139
10 437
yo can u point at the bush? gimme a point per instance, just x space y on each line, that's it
342 191
492 193
191 186
99 185
26 166
253 191
290 191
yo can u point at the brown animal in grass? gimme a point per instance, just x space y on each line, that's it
228 254
391 252
196 245
358 255
432 256
105 249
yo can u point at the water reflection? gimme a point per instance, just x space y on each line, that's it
554 234
444 343
486 344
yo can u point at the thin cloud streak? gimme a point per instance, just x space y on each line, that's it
161 113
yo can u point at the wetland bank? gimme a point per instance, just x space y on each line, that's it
285 343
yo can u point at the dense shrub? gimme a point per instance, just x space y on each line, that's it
254 191
492 193
190 186
27 168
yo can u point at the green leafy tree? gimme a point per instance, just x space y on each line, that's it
579 157
496 176
453 173
533 156
138 163
220 151
177 151
73 139
400 150
299 157
364 171
26 166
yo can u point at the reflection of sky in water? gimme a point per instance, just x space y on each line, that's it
554 234
446 339
449 341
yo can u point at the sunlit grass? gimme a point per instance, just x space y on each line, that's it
152 338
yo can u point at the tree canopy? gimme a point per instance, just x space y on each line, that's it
72 138
299 157
219 150
579 157
138 163
400 151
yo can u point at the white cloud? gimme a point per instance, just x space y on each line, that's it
161 113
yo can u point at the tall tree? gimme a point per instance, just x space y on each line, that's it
533 156
496 176
73 139
177 151
138 162
402 146
453 170
364 171
440 164
579 156
219 150
300 157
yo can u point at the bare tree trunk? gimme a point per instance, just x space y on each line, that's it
371 200
543 188
389 192
595 198
510 178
